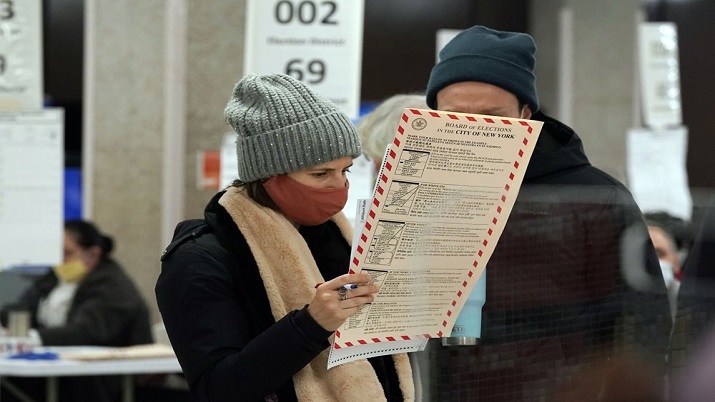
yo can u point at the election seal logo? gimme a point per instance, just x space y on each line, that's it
419 123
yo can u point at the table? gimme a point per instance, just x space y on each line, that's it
52 369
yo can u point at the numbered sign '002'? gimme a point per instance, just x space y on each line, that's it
317 42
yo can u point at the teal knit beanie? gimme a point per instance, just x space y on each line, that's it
283 126
504 59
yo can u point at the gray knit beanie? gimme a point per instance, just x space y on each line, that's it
283 126
504 59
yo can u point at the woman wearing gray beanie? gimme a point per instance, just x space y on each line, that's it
238 292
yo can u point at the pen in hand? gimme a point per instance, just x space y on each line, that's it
346 287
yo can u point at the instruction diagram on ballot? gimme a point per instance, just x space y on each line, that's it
412 163
384 243
400 197
444 193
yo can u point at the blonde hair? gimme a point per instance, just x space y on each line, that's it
377 128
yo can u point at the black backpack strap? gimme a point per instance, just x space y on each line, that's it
187 230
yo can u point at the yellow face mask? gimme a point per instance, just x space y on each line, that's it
73 271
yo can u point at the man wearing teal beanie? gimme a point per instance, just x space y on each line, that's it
502 59
574 279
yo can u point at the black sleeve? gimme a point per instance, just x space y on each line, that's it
209 323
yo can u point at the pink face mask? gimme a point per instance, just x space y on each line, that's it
303 204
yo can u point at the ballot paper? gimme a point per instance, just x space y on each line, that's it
443 196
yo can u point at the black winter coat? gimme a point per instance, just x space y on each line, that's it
574 279
219 320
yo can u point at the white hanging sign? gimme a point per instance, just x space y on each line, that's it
316 42
657 174
659 74
20 54
229 162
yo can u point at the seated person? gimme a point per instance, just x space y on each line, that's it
86 300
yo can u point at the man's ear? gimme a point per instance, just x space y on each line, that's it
526 112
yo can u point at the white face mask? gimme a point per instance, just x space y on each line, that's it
667 269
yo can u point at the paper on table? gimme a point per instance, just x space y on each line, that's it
446 189
154 350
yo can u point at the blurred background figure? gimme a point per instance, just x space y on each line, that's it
668 236
378 128
86 300
680 230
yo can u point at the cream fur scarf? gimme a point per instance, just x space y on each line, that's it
289 275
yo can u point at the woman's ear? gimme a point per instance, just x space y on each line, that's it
93 255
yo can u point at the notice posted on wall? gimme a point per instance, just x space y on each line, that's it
444 194
657 156
31 188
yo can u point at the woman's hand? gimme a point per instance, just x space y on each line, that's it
327 308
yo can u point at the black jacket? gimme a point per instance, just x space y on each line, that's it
218 316
558 287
